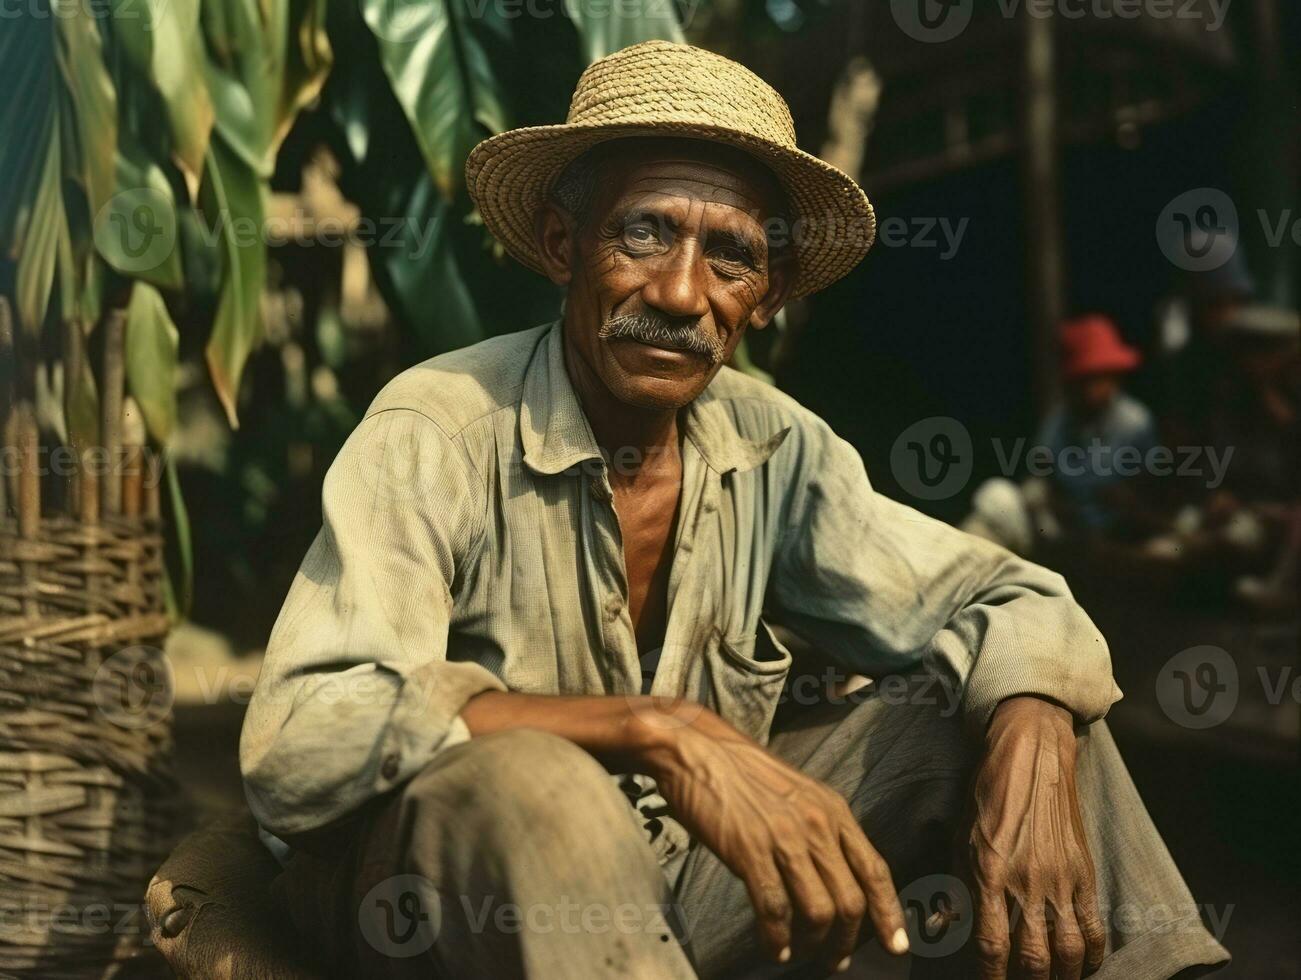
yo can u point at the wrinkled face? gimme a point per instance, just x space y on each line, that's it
666 269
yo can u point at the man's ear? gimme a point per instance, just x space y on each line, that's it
781 278
556 235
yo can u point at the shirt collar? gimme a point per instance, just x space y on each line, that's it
555 433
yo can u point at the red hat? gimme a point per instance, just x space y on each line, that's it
1091 345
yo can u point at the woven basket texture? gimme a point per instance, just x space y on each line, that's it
86 788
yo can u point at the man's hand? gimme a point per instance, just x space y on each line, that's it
809 869
1034 883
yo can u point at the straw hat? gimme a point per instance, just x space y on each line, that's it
662 89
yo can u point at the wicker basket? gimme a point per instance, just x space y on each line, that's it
86 788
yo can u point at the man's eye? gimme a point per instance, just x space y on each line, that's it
733 256
641 233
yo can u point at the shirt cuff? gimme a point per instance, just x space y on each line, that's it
1080 685
427 718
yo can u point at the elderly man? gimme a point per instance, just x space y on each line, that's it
517 715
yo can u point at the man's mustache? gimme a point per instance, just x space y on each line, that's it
650 329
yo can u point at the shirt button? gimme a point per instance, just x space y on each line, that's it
389 767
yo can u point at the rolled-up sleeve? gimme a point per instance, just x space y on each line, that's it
881 588
357 692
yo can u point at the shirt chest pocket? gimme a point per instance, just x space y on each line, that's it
747 674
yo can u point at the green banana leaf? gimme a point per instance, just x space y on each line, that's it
151 348
88 111
232 200
63 127
161 41
266 61
434 56
136 232
46 230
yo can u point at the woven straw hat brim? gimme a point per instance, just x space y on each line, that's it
510 175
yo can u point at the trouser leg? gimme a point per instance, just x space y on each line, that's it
510 855
1154 926
903 771
904 768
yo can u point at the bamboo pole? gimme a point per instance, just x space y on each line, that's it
27 439
133 452
8 358
84 499
111 394
153 505
74 353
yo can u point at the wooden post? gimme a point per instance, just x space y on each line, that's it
1045 274
1270 167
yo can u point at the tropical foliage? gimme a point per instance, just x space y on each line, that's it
136 161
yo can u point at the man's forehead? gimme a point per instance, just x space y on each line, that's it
696 172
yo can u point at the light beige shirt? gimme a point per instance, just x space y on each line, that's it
470 543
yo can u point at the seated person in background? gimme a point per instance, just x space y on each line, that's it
1094 446
1099 437
450 730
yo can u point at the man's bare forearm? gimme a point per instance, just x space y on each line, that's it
625 734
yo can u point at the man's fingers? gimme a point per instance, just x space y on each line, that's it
813 906
991 934
1031 954
850 902
1067 945
1091 927
772 907
878 888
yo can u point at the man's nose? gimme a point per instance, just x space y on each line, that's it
677 288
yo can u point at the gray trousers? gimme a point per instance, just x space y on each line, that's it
516 855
